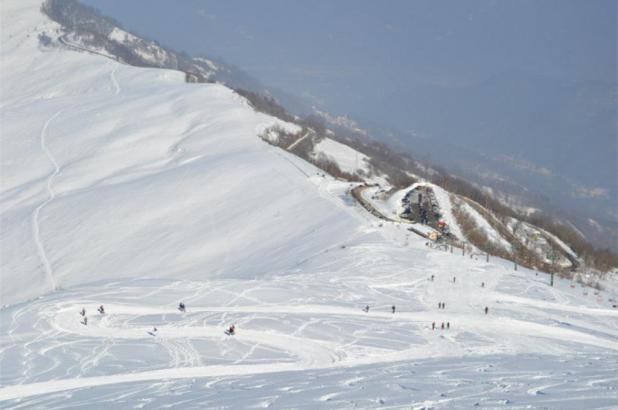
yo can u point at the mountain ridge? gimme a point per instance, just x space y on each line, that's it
206 71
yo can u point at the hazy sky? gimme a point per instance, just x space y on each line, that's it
535 79
311 46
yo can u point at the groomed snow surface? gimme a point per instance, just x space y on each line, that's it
129 188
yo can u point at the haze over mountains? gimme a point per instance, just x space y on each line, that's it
519 97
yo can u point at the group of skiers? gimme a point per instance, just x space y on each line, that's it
433 325
181 307
442 305
231 330
82 312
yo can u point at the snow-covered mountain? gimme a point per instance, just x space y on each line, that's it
87 157
134 188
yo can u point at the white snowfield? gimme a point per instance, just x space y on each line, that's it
128 188
111 171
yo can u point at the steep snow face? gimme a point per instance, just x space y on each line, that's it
111 171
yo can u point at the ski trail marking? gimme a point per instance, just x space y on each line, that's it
112 77
35 215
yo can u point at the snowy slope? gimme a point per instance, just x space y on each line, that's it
111 171
129 188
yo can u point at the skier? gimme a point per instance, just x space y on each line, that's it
454 279
443 305
366 308
231 330
439 305
448 325
154 330
393 309
486 310
442 326
101 310
482 284
181 307
433 325
432 276
83 312
85 321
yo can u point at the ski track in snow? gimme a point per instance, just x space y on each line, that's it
311 354
112 76
36 230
